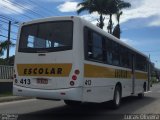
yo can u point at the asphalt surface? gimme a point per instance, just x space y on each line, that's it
34 109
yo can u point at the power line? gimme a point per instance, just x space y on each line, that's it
20 6
26 8
7 37
15 25
44 7
5 6
8 18
7 30
23 7
34 3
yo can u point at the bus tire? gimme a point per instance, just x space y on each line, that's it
72 103
141 95
117 97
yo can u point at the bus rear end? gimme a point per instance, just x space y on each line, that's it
45 63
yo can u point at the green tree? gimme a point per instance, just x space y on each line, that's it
104 7
3 46
114 7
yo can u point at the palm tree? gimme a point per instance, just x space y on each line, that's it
117 30
114 7
110 10
94 6
103 7
3 46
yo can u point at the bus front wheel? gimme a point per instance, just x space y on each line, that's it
117 97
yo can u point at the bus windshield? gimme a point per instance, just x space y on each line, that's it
46 37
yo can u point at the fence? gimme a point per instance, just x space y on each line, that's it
6 72
6 78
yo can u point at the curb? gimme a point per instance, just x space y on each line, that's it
13 98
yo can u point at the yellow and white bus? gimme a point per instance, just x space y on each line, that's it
70 59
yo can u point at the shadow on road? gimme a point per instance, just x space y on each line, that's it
90 111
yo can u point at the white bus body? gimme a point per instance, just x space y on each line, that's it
67 74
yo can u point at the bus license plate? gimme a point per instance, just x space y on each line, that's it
42 81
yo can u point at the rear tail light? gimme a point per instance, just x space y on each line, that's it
74 77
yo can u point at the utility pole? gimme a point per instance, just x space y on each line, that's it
149 73
8 41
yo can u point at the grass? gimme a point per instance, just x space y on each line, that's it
5 94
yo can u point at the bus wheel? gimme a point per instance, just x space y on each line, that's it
117 97
72 103
141 95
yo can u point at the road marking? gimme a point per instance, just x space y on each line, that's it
18 101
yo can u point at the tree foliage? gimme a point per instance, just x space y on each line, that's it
3 46
94 6
117 30
105 7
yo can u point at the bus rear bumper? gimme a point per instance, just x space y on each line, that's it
62 94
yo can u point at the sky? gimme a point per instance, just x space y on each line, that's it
140 24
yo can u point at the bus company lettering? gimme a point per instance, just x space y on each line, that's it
46 71
121 73
49 70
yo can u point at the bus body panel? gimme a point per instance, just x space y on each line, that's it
102 87
64 94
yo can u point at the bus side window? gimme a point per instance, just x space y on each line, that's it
116 55
124 57
88 43
108 48
140 62
93 45
97 46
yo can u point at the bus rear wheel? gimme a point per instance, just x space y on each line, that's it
72 102
141 95
117 97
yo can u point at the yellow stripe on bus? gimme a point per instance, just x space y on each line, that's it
139 75
56 70
94 71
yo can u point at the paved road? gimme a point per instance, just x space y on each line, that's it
52 110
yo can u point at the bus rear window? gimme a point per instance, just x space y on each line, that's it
46 37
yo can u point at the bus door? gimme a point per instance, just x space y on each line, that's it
133 73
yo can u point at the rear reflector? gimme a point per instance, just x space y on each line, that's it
72 83
63 93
